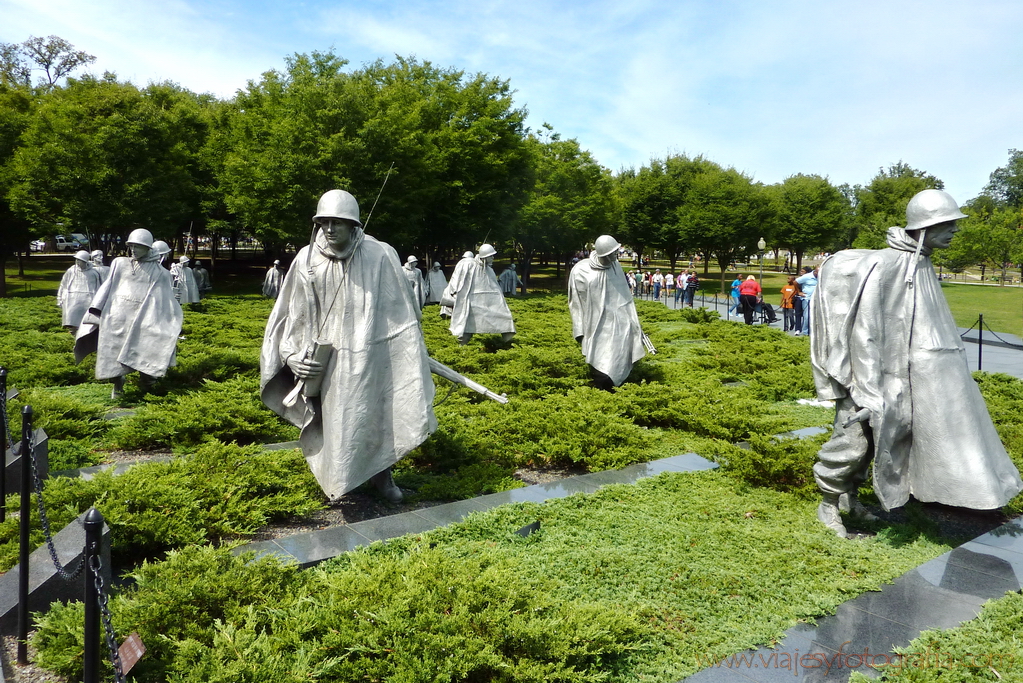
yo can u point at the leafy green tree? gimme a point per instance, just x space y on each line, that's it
570 203
882 203
15 113
992 237
455 142
810 213
723 215
54 56
1006 182
107 157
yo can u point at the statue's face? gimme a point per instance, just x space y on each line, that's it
139 251
489 260
81 264
338 232
609 259
940 236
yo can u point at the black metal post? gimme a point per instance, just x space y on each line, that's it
3 460
980 342
93 538
26 516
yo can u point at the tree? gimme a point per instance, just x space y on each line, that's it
455 141
54 56
570 203
15 112
106 157
723 214
1006 183
992 237
810 213
882 203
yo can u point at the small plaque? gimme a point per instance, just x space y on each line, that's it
131 652
529 529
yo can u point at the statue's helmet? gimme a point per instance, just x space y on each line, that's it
487 250
277 263
184 259
160 247
411 259
141 236
930 207
97 254
605 245
198 263
436 265
338 204
82 256
467 254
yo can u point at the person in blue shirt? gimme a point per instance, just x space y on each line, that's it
735 294
807 283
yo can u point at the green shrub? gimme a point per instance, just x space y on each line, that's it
783 465
220 491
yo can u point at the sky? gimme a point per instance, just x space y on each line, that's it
770 87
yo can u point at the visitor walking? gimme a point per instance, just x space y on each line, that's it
807 283
788 304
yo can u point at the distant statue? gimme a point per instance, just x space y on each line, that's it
415 280
435 283
343 355
134 321
80 283
185 287
476 300
273 281
446 306
202 279
509 280
161 249
97 262
885 348
604 318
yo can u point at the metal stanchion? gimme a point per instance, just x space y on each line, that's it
93 538
26 515
980 342
3 460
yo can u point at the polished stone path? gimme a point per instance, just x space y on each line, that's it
308 549
942 593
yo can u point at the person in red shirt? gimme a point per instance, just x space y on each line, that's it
749 290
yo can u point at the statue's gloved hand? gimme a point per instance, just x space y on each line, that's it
862 415
304 368
91 317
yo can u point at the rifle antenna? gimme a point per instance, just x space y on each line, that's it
373 208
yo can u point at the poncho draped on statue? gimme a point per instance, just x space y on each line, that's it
416 281
76 290
604 315
894 349
140 321
509 280
479 305
185 287
435 284
375 402
272 282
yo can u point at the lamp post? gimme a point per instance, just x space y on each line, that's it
761 245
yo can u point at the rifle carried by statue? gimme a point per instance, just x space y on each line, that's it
438 368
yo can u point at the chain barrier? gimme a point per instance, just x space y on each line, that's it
96 567
8 439
969 330
1010 344
44 520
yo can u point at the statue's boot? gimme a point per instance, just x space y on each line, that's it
829 516
118 387
385 486
507 336
146 382
464 339
851 505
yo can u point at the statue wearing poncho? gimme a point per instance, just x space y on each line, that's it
885 347
604 317
273 281
77 288
186 289
137 316
415 280
435 284
374 404
476 300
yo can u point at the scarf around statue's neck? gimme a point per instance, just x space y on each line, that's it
324 247
899 239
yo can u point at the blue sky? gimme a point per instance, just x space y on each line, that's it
771 87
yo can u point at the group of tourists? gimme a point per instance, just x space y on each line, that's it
747 298
682 287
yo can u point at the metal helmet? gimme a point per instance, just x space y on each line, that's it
411 259
487 250
468 254
82 255
277 263
97 254
606 245
141 236
338 204
184 259
930 207
160 247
